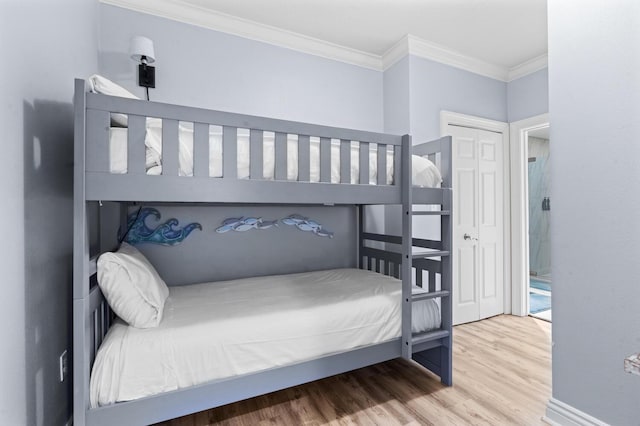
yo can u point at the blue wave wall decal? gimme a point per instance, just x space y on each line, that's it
307 225
242 224
167 234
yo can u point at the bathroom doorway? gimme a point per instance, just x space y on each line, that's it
539 207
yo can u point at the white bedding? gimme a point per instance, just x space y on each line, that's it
216 330
425 173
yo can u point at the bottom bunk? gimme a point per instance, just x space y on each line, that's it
222 342
219 330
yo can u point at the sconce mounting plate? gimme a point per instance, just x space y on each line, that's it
146 76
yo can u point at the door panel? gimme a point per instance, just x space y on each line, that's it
467 293
490 237
488 262
478 204
465 259
488 189
466 198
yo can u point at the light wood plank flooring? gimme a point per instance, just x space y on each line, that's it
502 376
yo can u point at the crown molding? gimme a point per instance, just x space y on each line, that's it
528 67
395 53
191 14
435 52
187 13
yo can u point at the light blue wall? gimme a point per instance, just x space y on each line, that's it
595 216
43 46
528 96
206 255
416 90
205 68
397 92
436 87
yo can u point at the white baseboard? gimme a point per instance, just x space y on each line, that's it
561 414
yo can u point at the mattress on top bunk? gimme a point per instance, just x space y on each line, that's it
218 330
425 173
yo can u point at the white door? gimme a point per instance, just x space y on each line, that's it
478 224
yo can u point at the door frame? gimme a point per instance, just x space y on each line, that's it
464 120
519 133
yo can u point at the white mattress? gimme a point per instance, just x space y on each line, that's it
217 330
425 173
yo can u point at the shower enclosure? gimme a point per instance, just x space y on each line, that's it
539 207
539 238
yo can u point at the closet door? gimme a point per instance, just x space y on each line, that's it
478 224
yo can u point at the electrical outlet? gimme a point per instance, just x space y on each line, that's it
64 365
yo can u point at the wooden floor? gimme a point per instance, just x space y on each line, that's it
502 376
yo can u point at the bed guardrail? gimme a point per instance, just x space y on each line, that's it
101 319
389 262
199 129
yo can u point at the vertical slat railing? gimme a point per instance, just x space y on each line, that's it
419 276
304 158
201 149
229 152
397 165
136 150
256 154
345 161
103 323
170 145
280 164
382 164
325 160
94 335
432 281
364 163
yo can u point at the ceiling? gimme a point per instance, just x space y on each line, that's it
500 39
505 33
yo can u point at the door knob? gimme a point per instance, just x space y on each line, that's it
469 237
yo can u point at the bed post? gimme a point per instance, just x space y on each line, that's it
446 161
407 244
81 320
446 277
446 226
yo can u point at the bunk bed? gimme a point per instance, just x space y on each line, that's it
418 263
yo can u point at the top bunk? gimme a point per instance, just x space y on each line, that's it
140 151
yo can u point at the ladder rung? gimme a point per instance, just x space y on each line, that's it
428 336
432 212
426 254
431 295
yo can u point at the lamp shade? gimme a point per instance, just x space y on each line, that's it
142 46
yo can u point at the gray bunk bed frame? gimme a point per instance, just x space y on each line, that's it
93 182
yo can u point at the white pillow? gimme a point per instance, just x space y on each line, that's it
102 85
425 173
132 287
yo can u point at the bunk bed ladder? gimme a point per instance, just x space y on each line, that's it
432 349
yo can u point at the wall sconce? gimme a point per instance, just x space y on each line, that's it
143 53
